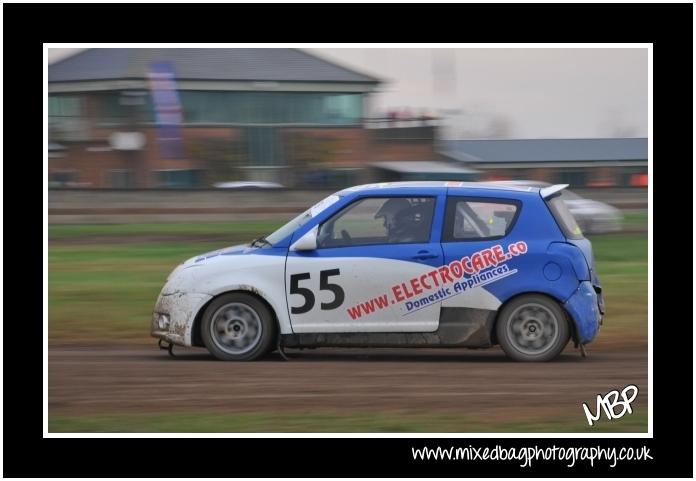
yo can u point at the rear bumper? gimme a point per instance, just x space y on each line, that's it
583 307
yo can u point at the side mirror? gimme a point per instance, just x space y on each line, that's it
307 242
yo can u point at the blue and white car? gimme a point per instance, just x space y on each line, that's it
406 264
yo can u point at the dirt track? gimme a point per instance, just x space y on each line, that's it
94 380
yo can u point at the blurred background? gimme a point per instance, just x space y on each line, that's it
300 119
155 155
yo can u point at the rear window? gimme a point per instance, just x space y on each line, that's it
564 218
478 219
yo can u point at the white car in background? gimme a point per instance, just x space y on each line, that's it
248 185
592 216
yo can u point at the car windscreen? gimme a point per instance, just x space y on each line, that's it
564 218
301 219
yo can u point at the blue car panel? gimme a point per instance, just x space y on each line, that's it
583 307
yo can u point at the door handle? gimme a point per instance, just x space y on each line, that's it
424 255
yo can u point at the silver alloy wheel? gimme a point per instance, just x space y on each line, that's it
533 329
236 328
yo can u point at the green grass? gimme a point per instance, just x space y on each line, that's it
622 265
340 423
102 285
105 290
635 220
108 292
619 248
236 231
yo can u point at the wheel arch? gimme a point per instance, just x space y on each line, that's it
197 340
557 300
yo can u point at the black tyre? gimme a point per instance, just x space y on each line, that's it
238 327
532 328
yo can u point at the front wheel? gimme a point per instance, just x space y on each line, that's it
532 328
238 327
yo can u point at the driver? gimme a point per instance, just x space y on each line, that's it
399 220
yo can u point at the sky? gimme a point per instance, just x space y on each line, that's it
506 93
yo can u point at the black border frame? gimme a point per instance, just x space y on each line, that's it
669 27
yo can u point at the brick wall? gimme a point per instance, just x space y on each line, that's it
304 148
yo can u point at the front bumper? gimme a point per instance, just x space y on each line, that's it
583 306
181 308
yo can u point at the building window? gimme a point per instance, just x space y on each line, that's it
264 147
121 179
181 178
124 107
340 108
65 118
204 107
63 178
575 178
62 106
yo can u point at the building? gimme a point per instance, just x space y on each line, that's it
396 170
578 162
147 118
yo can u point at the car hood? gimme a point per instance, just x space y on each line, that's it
239 249
202 260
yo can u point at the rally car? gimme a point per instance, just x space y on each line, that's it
404 264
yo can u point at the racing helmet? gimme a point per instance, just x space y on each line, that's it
396 213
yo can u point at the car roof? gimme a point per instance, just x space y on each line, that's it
530 183
438 184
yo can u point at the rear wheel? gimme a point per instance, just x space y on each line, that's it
238 327
532 328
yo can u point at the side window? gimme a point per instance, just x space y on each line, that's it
379 220
468 219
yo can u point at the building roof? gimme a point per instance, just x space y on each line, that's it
250 64
423 167
545 150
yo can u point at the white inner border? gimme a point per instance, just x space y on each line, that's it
649 434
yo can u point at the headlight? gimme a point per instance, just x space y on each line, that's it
163 321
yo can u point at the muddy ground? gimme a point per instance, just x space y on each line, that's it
86 380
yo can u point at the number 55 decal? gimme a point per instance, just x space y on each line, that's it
324 285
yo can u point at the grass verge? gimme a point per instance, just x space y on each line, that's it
99 292
377 422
